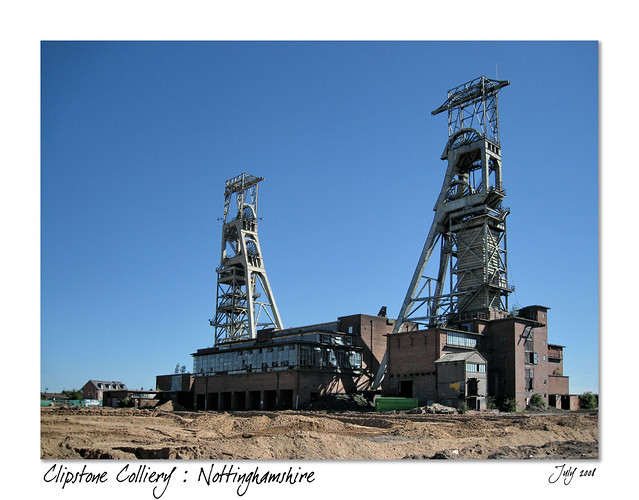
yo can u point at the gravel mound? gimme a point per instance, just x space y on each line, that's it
170 406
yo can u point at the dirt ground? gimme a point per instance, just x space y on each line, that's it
75 433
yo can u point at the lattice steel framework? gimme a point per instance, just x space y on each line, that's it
469 222
473 105
245 301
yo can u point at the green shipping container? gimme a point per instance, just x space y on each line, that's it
388 404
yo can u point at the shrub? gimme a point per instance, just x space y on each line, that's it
588 401
126 403
508 405
536 402
490 403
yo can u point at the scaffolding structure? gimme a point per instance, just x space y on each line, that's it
245 302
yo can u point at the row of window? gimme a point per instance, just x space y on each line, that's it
265 358
461 339
110 386
476 367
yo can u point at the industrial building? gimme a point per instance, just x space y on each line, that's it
286 369
455 340
514 360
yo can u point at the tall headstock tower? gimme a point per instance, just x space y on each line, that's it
470 220
245 301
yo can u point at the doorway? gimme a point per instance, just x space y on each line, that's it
405 388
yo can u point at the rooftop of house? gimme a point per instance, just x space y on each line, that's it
107 384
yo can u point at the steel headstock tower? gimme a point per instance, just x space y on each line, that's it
245 301
469 222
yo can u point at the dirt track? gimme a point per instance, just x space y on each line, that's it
145 434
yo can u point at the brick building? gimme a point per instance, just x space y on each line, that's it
518 361
176 388
286 369
504 356
94 389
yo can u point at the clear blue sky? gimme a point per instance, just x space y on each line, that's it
138 139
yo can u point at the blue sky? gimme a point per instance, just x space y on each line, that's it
138 139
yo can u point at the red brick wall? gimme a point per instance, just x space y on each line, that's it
557 385
411 357
164 382
370 334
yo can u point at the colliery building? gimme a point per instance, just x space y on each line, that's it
287 369
507 357
455 341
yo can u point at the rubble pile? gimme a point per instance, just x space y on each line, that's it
433 408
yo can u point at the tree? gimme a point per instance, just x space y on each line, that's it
73 394
177 368
183 369
588 401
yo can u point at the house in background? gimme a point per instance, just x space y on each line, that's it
94 389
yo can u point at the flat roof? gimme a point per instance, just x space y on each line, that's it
239 345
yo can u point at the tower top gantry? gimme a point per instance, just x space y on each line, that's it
474 105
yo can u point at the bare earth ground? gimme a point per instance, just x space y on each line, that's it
294 435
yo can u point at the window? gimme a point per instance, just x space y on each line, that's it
476 367
461 339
